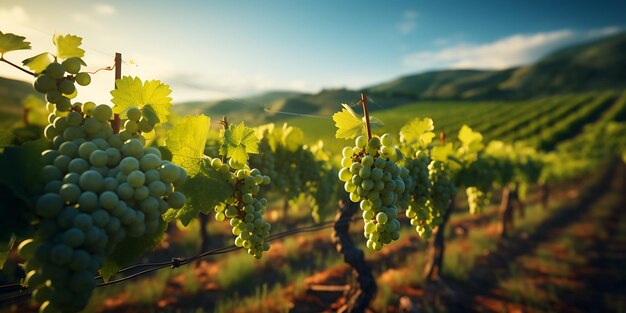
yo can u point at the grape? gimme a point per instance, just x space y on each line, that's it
102 113
98 158
132 147
45 83
55 70
169 172
145 126
67 87
176 200
91 181
83 79
134 114
150 161
136 179
131 126
72 65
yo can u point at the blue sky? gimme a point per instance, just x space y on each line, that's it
216 49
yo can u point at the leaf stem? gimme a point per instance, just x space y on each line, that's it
18 67
363 102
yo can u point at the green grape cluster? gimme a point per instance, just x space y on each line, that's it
243 208
441 192
99 190
476 199
57 82
136 123
265 161
417 210
372 176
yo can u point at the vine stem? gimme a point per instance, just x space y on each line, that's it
363 102
18 67
118 75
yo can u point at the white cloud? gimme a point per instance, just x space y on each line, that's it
408 22
14 14
510 51
105 9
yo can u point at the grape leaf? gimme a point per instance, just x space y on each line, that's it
418 130
152 96
129 249
20 167
238 141
12 42
292 137
203 192
39 62
4 251
441 153
350 125
68 46
186 141
6 138
471 141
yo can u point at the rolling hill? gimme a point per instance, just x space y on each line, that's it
596 65
592 66
12 93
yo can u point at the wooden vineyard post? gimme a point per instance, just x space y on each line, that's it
545 195
118 75
506 207
363 288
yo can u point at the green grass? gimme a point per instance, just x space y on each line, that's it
238 271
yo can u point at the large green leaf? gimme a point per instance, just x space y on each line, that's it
5 249
68 46
418 131
152 96
203 192
350 125
12 42
39 62
292 137
471 141
186 141
238 141
441 153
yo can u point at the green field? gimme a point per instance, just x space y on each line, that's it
542 121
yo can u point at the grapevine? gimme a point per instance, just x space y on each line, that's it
243 208
373 178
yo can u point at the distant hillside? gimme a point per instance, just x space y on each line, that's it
597 65
12 93
249 109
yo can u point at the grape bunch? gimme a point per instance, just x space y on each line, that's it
265 162
476 199
441 192
371 176
417 211
59 87
100 189
243 208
